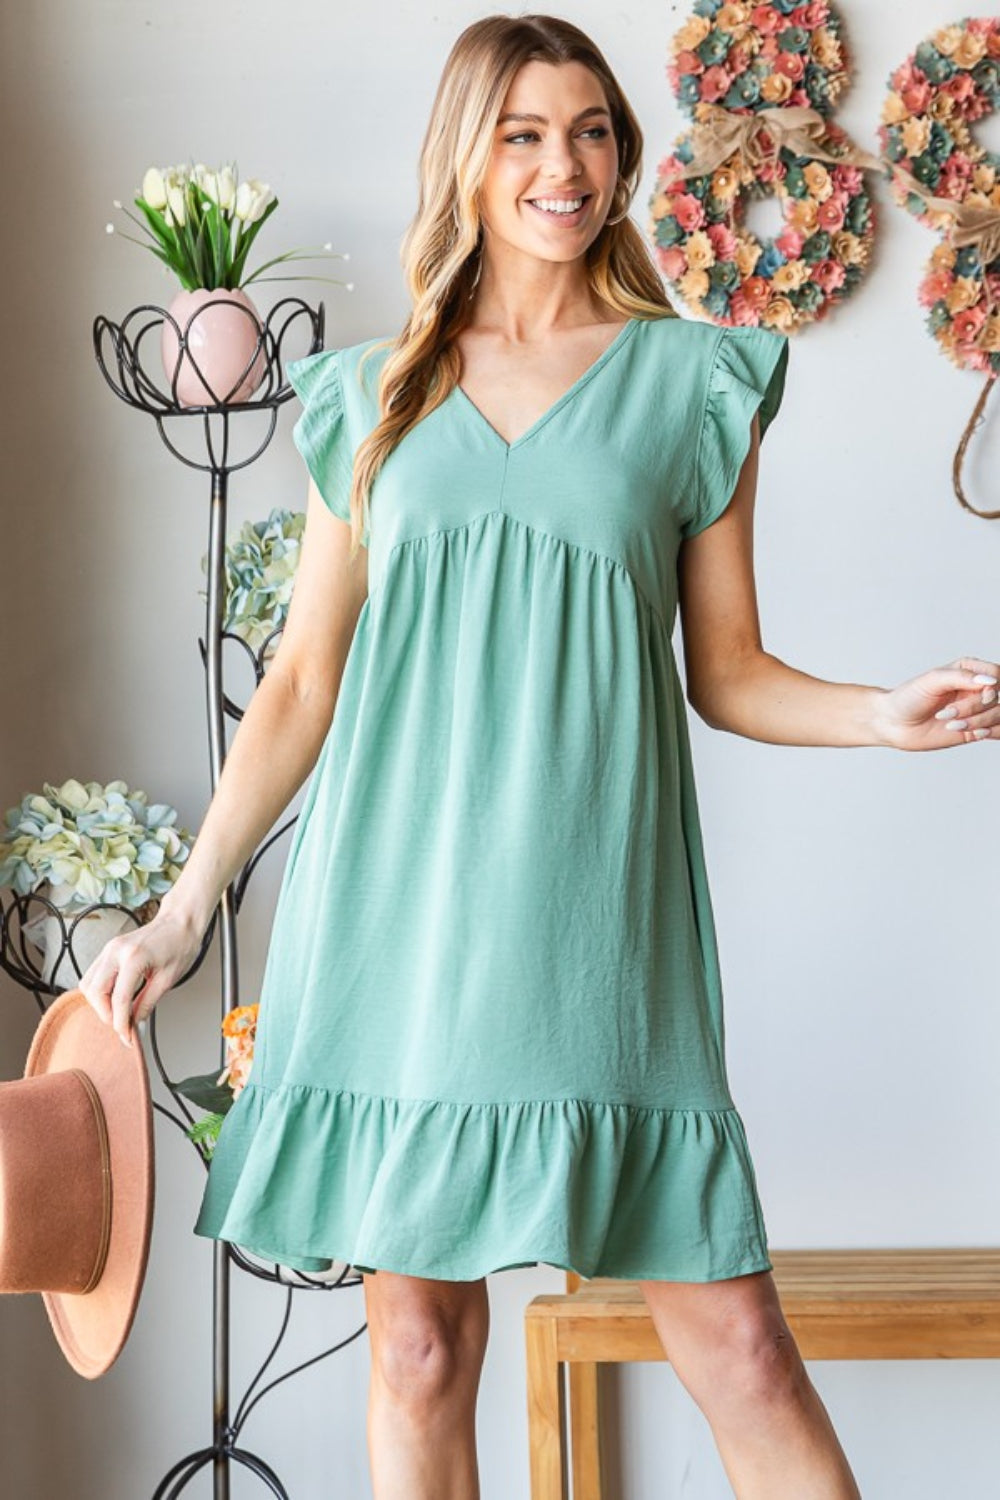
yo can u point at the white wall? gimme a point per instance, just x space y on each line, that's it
855 892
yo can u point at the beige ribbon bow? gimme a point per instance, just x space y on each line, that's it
971 225
722 133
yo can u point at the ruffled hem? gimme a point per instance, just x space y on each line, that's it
307 1176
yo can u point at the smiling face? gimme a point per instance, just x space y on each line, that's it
566 151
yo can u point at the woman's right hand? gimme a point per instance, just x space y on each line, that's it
134 970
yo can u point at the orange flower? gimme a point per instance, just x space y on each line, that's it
700 254
789 277
756 290
775 88
894 111
240 1030
970 50
818 180
849 249
943 256
779 313
803 214
694 285
916 133
825 48
725 184
691 33
963 293
947 40
748 253
240 1019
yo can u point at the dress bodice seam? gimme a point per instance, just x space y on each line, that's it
497 510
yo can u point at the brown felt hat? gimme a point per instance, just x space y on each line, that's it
76 1180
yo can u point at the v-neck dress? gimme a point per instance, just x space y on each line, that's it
491 1031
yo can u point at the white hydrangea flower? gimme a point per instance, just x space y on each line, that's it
94 843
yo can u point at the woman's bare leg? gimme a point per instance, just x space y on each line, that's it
428 1339
735 1353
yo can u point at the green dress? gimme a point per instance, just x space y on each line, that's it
490 1031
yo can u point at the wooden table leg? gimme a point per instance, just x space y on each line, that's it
585 1430
546 1412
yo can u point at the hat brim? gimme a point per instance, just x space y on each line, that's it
92 1327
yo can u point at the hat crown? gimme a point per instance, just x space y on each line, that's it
76 1180
55 1184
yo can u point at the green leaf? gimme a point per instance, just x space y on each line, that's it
221 244
211 242
206 241
165 246
158 225
203 1090
130 215
333 280
248 237
199 250
189 243
278 259
205 1132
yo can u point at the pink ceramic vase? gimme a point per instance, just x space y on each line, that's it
221 329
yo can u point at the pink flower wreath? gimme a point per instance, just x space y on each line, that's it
760 79
942 175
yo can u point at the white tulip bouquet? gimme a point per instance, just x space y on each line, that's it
202 222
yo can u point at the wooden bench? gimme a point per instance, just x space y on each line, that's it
839 1304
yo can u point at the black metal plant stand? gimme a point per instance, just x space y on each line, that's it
120 354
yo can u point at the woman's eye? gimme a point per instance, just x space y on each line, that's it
599 130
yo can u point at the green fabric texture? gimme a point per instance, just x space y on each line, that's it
491 1027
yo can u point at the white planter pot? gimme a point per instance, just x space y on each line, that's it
83 941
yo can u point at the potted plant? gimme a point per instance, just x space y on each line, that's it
82 846
260 574
202 222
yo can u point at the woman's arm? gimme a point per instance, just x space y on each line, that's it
735 685
286 721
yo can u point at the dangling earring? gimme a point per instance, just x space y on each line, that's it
624 213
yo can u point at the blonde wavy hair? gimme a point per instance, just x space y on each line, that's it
440 250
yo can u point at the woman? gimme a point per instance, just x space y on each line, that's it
490 1029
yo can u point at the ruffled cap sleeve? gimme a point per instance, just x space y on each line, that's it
746 375
320 434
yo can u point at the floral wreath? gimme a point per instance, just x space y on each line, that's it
760 79
949 182
940 174
742 56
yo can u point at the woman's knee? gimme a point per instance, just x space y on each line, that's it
765 1359
428 1338
728 1334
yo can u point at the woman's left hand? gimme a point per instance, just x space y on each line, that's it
952 705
